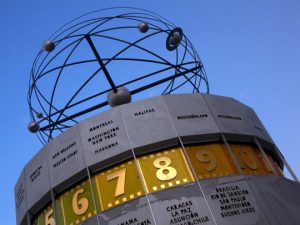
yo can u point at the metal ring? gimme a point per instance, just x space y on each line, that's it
175 30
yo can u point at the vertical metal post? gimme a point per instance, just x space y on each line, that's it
91 188
102 65
53 207
265 156
138 169
286 164
234 158
190 164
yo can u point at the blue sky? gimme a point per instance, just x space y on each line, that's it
250 50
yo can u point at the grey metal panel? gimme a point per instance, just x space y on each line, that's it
90 221
37 181
132 212
104 139
191 117
229 114
65 159
232 201
20 199
180 205
279 197
148 122
259 129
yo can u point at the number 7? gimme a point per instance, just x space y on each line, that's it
120 174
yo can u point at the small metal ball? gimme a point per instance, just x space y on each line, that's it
122 96
49 46
143 27
175 39
39 115
33 127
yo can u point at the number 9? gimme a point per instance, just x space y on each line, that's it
249 160
206 156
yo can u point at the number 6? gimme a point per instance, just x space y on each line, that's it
49 220
79 206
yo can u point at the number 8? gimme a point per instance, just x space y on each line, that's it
165 171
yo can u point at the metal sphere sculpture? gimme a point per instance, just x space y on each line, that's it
143 27
120 96
49 46
106 58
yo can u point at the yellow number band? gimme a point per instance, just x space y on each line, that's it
159 171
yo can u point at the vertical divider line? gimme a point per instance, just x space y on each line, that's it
90 179
231 152
27 210
138 169
265 156
63 210
52 192
52 195
28 217
235 159
53 207
93 194
189 162
287 165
